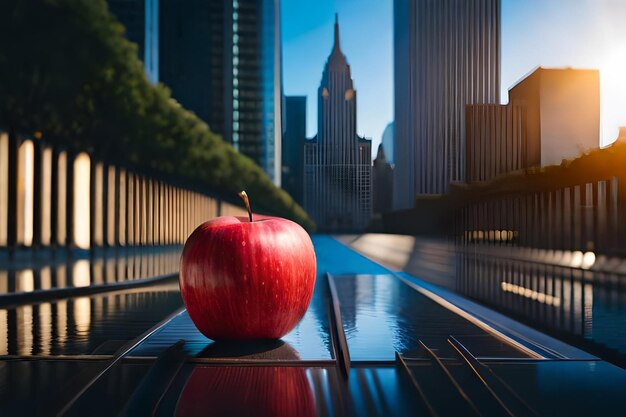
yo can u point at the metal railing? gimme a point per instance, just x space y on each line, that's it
554 257
587 216
53 197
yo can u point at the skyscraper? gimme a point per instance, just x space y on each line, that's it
195 63
141 20
293 147
222 60
389 142
338 161
446 55
552 115
382 182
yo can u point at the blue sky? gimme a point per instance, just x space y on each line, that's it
550 33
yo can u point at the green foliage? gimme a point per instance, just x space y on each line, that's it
67 70
595 165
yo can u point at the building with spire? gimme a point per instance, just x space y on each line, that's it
337 162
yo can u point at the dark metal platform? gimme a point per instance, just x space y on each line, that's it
371 344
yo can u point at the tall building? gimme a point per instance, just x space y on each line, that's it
553 114
446 55
194 60
382 182
389 142
294 137
563 107
141 20
337 166
222 60
496 140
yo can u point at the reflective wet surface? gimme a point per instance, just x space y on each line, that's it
309 340
539 388
26 274
585 388
98 324
577 297
177 371
382 315
583 306
38 388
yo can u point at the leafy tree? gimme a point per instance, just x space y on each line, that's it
67 70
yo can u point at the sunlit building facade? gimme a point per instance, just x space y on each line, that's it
553 114
141 20
222 60
446 55
563 106
337 161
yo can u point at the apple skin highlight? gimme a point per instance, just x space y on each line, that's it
243 280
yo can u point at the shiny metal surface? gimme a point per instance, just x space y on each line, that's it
38 387
584 307
99 324
585 388
309 340
177 371
382 315
29 274
579 298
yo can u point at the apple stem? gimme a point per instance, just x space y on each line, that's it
246 201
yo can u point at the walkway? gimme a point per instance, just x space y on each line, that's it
373 343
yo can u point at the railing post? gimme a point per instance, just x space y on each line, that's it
159 213
105 205
621 213
69 200
573 219
92 205
118 206
610 214
150 212
582 218
37 191
12 192
594 216
130 209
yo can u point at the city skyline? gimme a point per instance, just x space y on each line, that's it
222 61
337 162
581 34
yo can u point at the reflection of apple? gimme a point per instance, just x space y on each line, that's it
244 279
247 391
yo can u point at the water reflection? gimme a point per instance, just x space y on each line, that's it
307 341
247 391
382 315
584 304
85 325
123 265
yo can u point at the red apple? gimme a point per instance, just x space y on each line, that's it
244 279
247 391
